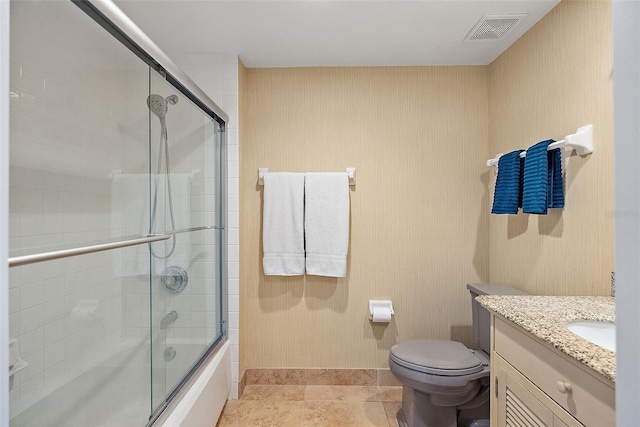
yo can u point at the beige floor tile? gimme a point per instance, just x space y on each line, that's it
351 393
392 408
341 377
251 413
390 393
344 414
273 392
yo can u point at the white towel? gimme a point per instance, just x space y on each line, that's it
327 223
282 224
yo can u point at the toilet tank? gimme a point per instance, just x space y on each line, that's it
481 317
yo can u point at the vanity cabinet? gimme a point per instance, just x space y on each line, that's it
535 384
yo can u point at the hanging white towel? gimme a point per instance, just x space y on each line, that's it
282 224
327 223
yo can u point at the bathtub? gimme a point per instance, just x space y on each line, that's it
116 391
201 400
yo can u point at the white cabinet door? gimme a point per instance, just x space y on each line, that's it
517 407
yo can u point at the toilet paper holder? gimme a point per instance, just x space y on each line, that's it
377 305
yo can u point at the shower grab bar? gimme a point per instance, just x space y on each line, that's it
82 250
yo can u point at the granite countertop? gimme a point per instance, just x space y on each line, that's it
546 317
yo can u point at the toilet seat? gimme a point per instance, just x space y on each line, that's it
436 357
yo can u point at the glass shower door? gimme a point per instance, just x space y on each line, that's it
103 330
79 182
185 287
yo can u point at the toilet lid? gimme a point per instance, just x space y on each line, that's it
447 358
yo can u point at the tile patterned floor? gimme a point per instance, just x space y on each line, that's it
313 405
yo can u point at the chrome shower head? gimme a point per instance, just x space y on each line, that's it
157 105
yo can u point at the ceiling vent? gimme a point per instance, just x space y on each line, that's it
494 27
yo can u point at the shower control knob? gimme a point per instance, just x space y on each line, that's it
174 279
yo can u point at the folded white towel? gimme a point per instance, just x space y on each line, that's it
282 224
327 223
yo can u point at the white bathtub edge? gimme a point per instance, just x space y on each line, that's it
202 403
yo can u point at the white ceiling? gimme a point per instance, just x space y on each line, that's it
331 33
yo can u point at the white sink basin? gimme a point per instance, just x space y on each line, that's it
599 333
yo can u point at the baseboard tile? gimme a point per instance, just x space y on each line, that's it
280 376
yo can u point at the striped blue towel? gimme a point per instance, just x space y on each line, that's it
542 186
507 196
554 181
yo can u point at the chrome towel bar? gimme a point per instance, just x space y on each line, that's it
82 250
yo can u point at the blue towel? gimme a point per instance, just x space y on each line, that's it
542 183
507 196
554 181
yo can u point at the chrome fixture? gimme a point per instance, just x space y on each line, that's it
88 249
159 106
168 319
174 279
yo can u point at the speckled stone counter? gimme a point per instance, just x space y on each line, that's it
546 317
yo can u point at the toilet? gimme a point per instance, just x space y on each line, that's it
445 384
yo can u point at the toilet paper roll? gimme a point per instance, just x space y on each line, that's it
381 315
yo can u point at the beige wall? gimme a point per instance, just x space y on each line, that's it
419 211
420 223
556 78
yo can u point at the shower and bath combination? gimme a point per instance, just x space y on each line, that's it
128 350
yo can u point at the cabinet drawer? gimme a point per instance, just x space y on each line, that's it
590 400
